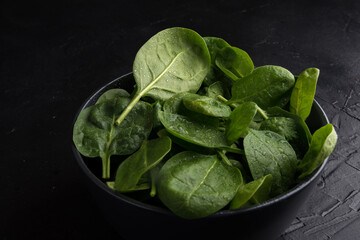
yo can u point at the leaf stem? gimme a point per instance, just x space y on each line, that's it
221 98
128 108
224 100
234 150
138 95
153 185
224 157
262 113
105 166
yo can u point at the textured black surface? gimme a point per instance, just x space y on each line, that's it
54 54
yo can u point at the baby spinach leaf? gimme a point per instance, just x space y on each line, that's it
303 93
206 105
136 165
278 112
175 105
322 144
96 135
216 89
185 145
254 192
269 153
266 86
192 131
111 94
214 45
291 129
193 185
234 62
246 175
172 61
239 121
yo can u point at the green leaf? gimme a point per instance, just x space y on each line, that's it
192 131
278 112
269 153
185 144
322 144
111 94
239 121
266 86
131 169
254 192
234 62
291 129
175 105
302 96
193 185
214 45
174 60
96 135
206 105
216 89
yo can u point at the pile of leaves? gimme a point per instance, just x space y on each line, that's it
204 130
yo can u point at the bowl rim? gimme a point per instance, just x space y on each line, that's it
160 210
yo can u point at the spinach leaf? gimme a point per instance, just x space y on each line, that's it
234 62
303 93
175 105
291 129
269 153
193 185
185 144
239 120
216 89
192 131
111 94
245 173
266 86
136 165
206 105
96 135
215 44
174 60
322 144
254 192
279 112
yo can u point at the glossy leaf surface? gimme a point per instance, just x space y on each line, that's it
239 121
269 153
193 185
254 192
96 135
291 129
136 165
322 144
206 105
302 95
195 132
234 62
266 86
111 94
174 60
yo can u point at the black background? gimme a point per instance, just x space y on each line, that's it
54 54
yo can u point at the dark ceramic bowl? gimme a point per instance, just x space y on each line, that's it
133 219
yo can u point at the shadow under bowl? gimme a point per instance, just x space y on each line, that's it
133 219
